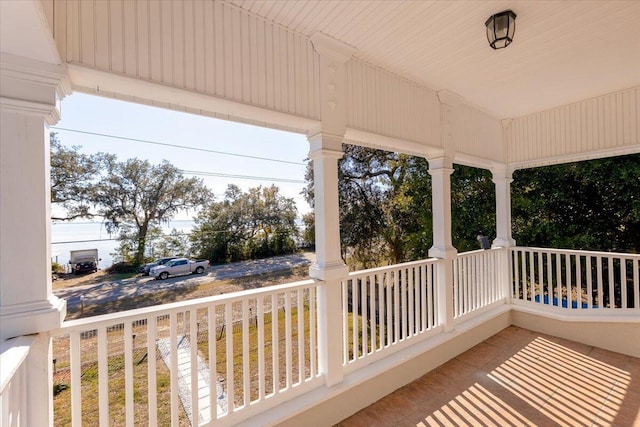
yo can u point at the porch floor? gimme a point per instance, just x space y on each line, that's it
517 377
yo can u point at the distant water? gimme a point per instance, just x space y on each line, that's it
70 236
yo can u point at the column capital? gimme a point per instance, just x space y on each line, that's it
501 174
325 145
32 87
449 98
441 164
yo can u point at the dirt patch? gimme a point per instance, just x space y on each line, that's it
70 280
214 287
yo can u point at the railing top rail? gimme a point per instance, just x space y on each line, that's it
579 252
384 269
478 251
13 352
141 313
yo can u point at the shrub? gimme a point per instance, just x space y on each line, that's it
57 268
122 267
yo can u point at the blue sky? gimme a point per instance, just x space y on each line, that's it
113 117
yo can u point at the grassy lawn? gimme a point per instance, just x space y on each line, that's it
269 377
89 382
116 372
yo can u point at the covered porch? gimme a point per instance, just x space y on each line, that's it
385 75
517 377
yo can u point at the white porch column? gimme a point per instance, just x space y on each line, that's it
29 92
328 267
325 150
440 170
502 178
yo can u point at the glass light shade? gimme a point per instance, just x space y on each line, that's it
500 29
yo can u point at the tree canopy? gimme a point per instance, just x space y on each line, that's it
386 217
258 223
134 195
378 195
73 179
385 206
590 205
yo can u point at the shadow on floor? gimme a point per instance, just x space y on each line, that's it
517 377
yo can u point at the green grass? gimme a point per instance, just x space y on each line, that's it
89 382
269 375
89 385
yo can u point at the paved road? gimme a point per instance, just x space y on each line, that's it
135 286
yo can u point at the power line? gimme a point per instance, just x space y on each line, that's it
185 147
82 241
181 233
250 177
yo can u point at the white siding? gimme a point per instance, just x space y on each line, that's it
209 47
386 104
609 123
477 134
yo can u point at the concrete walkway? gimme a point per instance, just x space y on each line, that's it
184 380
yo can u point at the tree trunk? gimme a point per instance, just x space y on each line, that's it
142 243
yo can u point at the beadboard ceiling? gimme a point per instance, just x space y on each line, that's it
563 51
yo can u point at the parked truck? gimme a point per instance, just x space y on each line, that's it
84 261
145 269
179 267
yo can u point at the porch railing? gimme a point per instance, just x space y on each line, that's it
220 358
579 280
385 308
477 281
14 358
223 359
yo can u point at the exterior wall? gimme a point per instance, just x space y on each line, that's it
607 125
612 335
212 48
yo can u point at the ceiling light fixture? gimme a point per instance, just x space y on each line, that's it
500 29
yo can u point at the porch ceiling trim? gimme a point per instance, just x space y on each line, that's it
264 72
118 86
570 158
381 142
